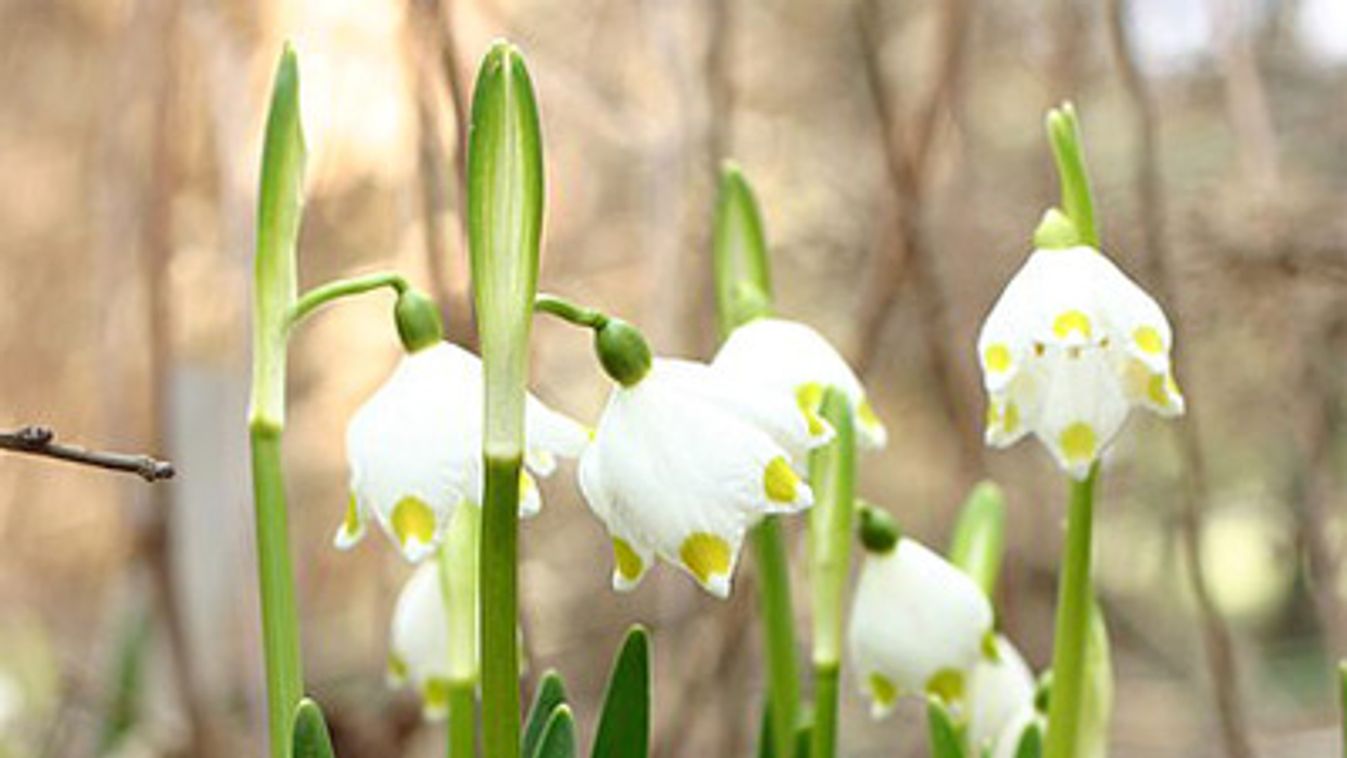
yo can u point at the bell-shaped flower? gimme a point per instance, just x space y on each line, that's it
684 461
419 653
415 450
1000 687
793 358
918 625
1071 345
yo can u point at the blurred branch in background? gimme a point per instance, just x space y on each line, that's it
1194 494
904 260
41 441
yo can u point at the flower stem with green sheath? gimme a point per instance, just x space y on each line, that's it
832 473
458 583
505 212
1075 593
743 293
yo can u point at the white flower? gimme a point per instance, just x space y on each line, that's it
1069 347
998 689
415 450
419 640
1007 742
684 462
791 357
918 625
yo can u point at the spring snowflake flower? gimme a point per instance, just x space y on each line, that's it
419 641
1068 349
791 357
415 450
918 625
999 688
684 462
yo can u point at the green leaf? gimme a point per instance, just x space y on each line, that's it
558 737
979 541
279 208
624 725
766 746
311 739
1031 742
551 695
945 737
505 219
742 271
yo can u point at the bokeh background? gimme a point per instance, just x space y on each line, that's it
898 151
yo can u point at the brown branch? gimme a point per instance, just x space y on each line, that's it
1194 494
41 441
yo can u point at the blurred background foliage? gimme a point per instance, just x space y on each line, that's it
898 152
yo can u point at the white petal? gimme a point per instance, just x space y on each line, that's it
419 636
1008 741
789 357
632 557
352 528
551 433
998 690
1083 407
915 616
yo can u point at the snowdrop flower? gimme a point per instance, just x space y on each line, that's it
684 461
793 358
415 450
1068 349
998 689
419 641
918 624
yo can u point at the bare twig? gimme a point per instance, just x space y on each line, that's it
1194 494
41 440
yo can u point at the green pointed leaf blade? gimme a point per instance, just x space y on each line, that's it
311 739
1031 742
743 277
279 209
551 695
558 737
624 724
945 739
766 746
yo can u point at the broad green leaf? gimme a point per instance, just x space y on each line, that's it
279 207
505 221
624 725
979 538
558 737
551 695
311 739
945 737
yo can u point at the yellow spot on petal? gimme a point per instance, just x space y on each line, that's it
989 649
996 358
1078 442
351 523
629 563
397 668
706 555
1012 418
1172 386
780 481
865 413
993 415
1071 321
946 684
1157 389
1148 339
809 396
412 518
435 694
526 483
883 690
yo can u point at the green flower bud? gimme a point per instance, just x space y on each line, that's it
623 351
418 320
879 531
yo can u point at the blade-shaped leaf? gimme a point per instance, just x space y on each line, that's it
558 737
551 694
946 742
310 739
624 725
1031 742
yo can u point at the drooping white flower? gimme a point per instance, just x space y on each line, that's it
1071 345
415 450
918 625
998 689
419 641
684 462
791 357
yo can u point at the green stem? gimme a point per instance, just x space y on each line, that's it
778 623
832 472
571 312
1074 599
498 601
326 293
1342 701
458 584
280 624
462 706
